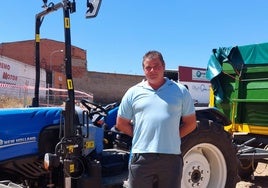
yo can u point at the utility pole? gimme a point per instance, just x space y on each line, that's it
70 146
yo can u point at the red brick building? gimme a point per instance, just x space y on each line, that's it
105 87
51 58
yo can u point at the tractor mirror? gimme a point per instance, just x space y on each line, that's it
92 8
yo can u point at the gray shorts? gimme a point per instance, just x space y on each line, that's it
148 170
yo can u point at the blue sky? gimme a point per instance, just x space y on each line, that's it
185 31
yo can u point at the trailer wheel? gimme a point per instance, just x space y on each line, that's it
209 158
246 168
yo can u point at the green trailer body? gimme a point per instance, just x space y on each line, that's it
239 80
239 89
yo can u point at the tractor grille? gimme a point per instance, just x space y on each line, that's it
30 167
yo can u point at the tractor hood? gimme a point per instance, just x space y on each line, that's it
20 128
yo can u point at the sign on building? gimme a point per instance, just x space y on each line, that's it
17 79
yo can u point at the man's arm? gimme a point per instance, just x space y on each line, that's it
188 125
124 125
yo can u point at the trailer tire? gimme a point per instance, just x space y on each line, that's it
246 168
209 157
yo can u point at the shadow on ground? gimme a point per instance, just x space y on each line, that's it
257 182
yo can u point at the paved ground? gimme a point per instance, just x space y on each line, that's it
260 180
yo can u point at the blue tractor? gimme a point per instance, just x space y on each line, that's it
61 146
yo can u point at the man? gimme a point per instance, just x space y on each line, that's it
151 112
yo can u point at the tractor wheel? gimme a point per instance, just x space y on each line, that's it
209 158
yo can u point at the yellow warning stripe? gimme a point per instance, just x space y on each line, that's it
69 84
67 22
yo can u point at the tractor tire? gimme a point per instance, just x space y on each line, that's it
209 158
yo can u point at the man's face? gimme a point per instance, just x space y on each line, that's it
153 70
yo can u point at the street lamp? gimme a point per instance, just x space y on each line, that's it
50 68
50 57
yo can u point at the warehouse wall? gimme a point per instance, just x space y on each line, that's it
106 87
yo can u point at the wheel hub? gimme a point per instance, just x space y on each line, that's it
196 176
196 172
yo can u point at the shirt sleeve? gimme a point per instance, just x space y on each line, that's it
188 103
125 108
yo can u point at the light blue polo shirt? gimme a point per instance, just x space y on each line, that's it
156 116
